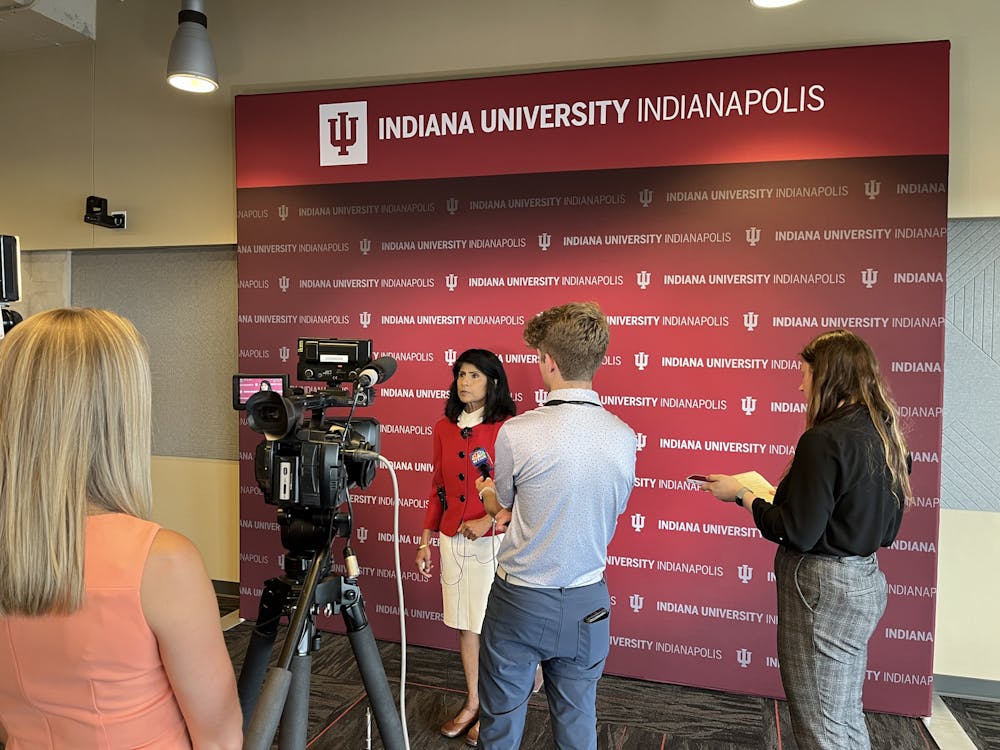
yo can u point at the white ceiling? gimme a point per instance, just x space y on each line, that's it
31 24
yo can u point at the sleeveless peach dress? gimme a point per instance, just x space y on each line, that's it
92 680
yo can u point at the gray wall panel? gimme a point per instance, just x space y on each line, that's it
183 301
971 444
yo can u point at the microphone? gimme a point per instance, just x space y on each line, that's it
482 461
377 371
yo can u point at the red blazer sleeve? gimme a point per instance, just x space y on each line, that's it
432 519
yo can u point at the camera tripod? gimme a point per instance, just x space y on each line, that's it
304 591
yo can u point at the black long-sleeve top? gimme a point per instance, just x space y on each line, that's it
836 498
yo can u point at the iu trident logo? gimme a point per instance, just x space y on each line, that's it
452 206
284 352
636 601
638 522
544 241
365 319
451 281
362 534
869 277
540 395
450 356
641 360
872 189
283 283
343 134
753 236
283 211
750 320
640 441
745 572
365 245
749 405
642 278
645 197
744 657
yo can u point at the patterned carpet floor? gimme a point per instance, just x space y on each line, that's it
632 714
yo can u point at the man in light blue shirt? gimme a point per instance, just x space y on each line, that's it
565 470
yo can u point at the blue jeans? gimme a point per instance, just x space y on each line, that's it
527 626
828 608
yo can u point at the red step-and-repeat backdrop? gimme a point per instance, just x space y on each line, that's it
722 212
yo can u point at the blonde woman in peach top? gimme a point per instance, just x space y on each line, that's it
109 630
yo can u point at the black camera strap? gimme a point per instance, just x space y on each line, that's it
560 402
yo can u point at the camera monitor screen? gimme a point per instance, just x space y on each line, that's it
245 385
10 269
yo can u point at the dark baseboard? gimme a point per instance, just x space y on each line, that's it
226 588
967 687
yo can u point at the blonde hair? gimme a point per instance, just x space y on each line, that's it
575 335
74 432
845 371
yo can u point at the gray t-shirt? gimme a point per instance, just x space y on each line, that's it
566 472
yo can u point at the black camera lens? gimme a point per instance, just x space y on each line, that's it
271 414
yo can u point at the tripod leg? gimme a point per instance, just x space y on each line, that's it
264 721
260 733
272 603
373 676
294 727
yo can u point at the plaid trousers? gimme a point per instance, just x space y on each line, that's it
828 608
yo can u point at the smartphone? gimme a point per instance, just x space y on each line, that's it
697 478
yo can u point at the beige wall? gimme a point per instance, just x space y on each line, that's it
186 496
968 608
98 118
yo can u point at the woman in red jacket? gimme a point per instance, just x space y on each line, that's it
479 402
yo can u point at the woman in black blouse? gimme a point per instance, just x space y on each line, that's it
841 499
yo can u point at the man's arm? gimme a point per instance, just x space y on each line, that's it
503 469
488 494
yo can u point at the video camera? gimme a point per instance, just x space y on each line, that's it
309 460
305 465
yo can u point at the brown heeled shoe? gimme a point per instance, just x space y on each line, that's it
454 727
472 738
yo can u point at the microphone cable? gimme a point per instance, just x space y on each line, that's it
399 591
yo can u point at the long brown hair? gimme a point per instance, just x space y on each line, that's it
845 371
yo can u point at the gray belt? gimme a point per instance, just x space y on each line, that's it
503 575
513 580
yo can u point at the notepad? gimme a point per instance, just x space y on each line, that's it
757 485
